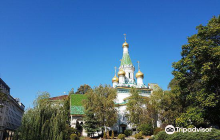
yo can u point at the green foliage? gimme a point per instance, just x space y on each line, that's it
121 136
146 129
197 73
100 101
138 135
104 135
135 108
157 130
128 133
91 124
214 134
192 116
45 121
74 137
113 135
83 89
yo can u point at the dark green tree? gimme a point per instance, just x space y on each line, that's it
197 75
91 124
83 89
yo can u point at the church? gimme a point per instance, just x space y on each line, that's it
123 83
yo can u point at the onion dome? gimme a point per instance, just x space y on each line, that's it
121 72
115 79
125 44
139 74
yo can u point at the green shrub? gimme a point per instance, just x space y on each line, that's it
104 136
214 134
156 130
128 133
121 136
74 137
146 129
139 135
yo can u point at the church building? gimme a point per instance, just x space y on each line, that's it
123 83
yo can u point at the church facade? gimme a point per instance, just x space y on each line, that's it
123 83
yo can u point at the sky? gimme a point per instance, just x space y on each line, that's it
56 45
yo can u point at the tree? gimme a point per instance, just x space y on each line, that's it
45 121
135 108
105 106
197 73
100 102
91 124
83 89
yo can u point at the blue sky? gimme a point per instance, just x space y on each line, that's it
56 45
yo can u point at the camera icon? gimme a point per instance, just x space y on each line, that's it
169 129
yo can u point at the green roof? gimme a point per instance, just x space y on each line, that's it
76 110
126 60
76 104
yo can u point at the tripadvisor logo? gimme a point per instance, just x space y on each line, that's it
170 129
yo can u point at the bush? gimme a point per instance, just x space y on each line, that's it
156 130
214 134
146 129
74 137
104 136
139 135
128 133
121 136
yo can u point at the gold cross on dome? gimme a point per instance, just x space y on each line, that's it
125 37
138 65
115 70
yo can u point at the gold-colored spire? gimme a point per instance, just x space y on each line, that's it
115 78
125 44
139 73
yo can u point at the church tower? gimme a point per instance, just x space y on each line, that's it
123 83
126 64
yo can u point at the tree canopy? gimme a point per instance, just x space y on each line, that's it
83 89
100 105
47 120
197 75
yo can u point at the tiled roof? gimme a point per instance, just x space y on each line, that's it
126 60
59 97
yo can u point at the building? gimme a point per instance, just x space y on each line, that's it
123 83
77 111
11 112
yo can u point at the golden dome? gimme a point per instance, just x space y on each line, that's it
139 74
115 79
125 44
121 72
